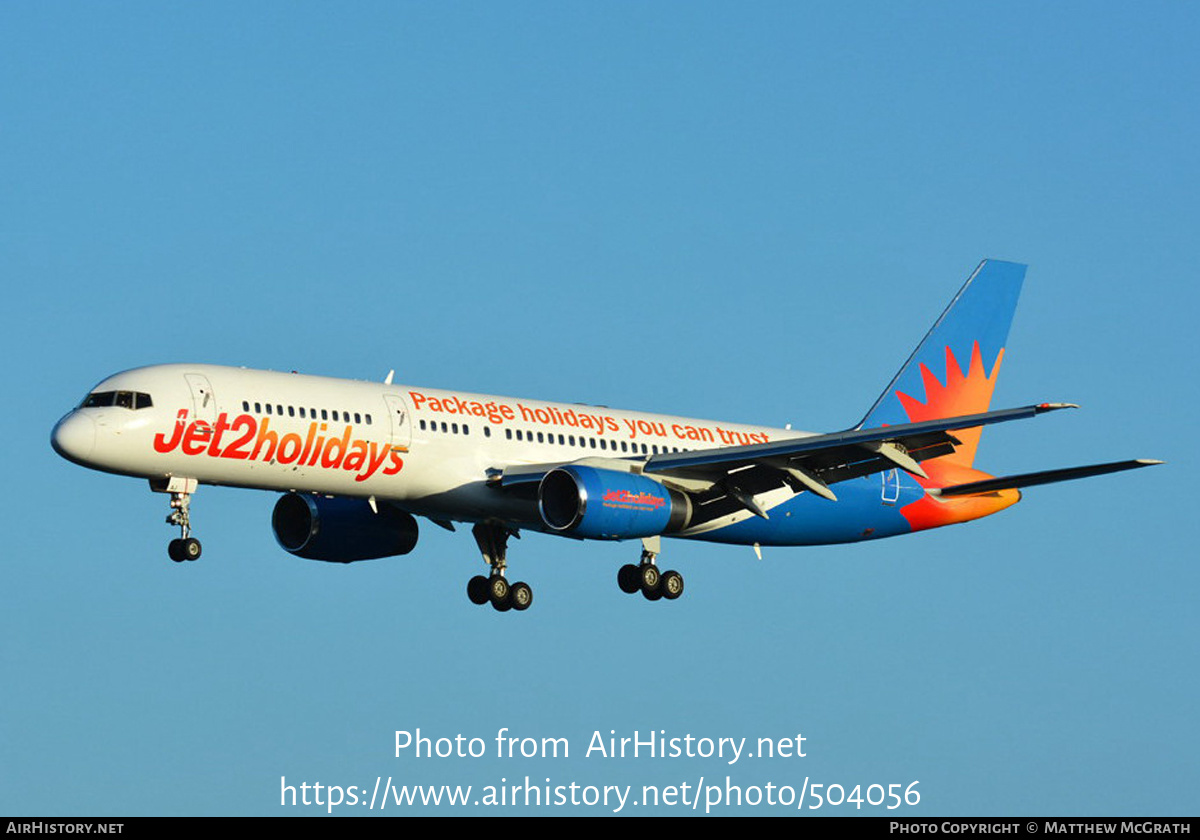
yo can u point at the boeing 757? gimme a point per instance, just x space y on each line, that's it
358 462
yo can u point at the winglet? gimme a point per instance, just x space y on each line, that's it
1053 406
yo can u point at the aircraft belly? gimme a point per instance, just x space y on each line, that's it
806 519
475 502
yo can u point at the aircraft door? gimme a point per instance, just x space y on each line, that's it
204 402
401 427
891 486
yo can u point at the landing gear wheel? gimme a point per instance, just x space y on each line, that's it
649 577
628 579
497 589
477 590
671 585
492 538
186 547
652 594
520 596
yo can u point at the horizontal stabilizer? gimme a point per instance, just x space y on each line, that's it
991 485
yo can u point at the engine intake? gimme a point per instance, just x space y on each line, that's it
604 504
341 530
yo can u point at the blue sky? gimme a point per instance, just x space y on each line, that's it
745 213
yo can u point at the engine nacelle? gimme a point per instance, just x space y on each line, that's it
341 530
604 504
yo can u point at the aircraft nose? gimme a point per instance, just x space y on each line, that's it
74 437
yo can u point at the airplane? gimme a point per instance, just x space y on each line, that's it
358 461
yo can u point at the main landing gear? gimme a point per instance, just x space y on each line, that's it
492 538
647 578
186 547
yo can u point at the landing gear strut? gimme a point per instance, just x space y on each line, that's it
186 547
492 538
646 577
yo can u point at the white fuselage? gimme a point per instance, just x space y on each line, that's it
430 451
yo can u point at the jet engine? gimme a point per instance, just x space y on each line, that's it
340 530
605 504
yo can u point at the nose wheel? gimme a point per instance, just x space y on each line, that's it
186 547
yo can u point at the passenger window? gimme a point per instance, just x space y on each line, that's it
258 408
454 428
508 434
302 411
368 419
245 406
357 417
466 429
268 408
487 431
540 438
444 427
324 413
291 411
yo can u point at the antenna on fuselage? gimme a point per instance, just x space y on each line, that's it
388 380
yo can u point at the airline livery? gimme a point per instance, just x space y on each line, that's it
358 462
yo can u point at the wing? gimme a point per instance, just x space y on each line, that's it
736 474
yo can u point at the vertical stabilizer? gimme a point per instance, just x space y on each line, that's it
953 370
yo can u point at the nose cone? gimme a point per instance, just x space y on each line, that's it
74 437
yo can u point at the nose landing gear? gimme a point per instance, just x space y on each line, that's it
186 547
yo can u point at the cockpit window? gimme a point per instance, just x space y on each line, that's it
121 399
98 399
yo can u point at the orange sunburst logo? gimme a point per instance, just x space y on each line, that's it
969 393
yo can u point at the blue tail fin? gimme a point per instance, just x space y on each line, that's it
953 370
